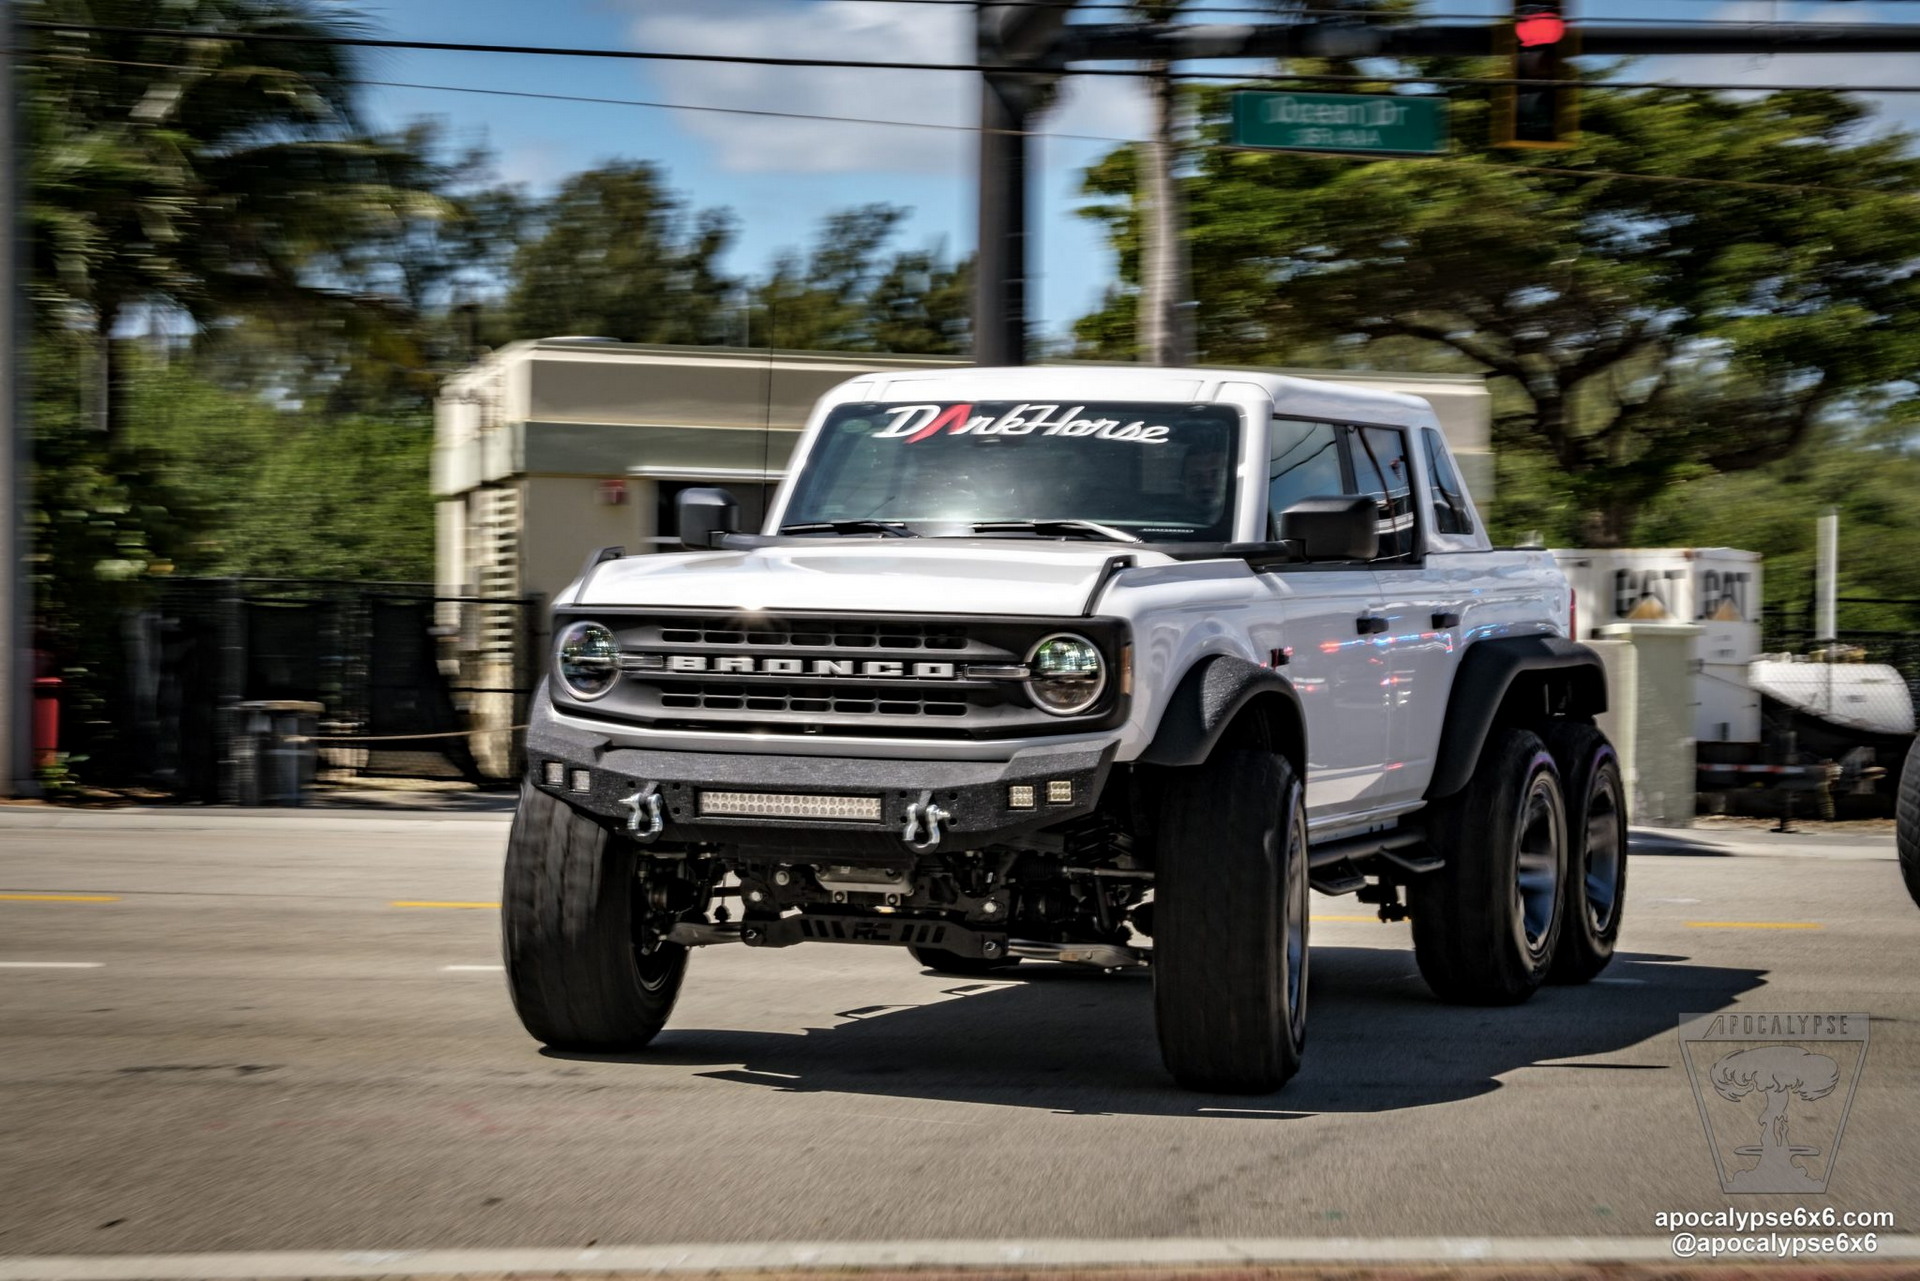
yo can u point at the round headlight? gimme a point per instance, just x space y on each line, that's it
587 660
1065 674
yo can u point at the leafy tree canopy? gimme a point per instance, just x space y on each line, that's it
1640 332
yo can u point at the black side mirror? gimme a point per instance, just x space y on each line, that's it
705 515
1333 528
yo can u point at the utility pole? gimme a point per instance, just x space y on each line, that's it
1020 37
1164 331
1000 269
16 634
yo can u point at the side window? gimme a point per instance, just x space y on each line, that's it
1305 463
1450 514
1381 469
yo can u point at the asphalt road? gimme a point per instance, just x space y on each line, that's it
225 1032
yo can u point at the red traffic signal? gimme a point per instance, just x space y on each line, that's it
1538 110
1535 29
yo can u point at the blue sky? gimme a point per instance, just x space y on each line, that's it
782 177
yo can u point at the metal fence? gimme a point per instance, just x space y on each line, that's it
399 681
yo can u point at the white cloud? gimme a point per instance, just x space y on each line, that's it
1830 70
1106 106
835 29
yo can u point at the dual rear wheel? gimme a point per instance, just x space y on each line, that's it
1535 874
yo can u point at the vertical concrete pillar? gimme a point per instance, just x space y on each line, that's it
1650 693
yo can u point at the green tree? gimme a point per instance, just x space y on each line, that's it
850 294
617 255
1640 332
204 179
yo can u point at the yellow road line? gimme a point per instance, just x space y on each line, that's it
407 902
1754 925
60 898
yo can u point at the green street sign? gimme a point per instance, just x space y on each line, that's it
1370 123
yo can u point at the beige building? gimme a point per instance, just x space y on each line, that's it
545 451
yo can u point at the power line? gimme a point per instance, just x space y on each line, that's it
1552 170
1370 15
761 60
1262 77
1255 77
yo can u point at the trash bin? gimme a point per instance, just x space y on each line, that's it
273 756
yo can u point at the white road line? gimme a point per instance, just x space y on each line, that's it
821 1256
469 969
51 965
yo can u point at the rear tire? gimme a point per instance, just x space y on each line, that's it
1230 925
1485 925
942 961
1596 880
1906 829
570 912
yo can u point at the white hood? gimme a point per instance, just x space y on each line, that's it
892 575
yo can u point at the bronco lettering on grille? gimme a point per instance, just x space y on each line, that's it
747 665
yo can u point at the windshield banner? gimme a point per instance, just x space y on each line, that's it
917 422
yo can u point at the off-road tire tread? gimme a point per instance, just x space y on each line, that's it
566 933
1462 931
1906 823
1214 947
1580 955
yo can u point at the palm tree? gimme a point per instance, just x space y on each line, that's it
206 179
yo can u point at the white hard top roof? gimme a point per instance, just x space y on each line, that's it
1306 398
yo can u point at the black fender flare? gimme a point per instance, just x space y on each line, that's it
1487 674
1212 693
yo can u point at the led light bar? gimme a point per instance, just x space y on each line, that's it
1020 796
788 805
1060 792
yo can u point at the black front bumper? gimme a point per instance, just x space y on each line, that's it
972 794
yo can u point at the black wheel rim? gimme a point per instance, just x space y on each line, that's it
1605 850
1538 860
653 957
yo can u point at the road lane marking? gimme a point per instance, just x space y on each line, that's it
1754 925
416 902
59 898
1371 920
825 1256
466 969
51 965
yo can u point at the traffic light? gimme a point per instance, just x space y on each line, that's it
1540 43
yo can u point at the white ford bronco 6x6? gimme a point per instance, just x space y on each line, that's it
1050 663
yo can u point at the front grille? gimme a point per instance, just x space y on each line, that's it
825 698
819 635
799 674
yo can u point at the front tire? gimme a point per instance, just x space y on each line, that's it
1906 830
1596 881
1485 926
571 911
1230 925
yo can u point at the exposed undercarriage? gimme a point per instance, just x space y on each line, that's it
1081 893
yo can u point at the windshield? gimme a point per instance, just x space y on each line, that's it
1159 472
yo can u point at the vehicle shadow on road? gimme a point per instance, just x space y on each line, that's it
1073 1041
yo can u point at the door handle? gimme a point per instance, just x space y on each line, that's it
1370 624
1442 620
